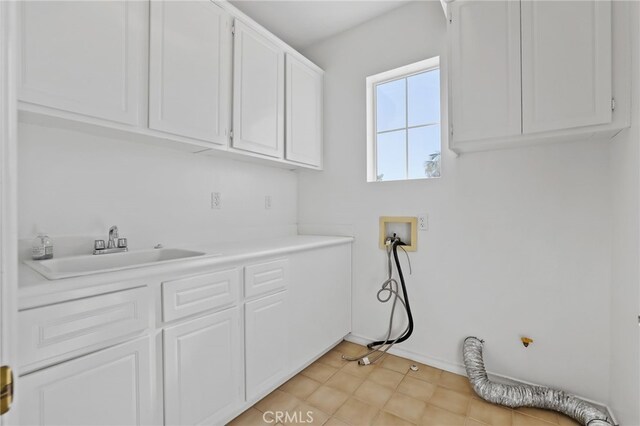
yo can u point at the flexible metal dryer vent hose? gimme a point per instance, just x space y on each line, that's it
526 395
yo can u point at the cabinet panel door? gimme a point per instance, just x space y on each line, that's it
202 375
190 70
258 93
266 343
484 69
319 300
85 57
110 387
304 113
566 64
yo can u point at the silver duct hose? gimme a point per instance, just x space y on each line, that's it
526 395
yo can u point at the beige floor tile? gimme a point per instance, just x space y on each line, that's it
384 377
488 413
453 401
436 416
373 393
426 372
333 358
356 412
335 422
319 372
350 349
388 419
300 386
277 401
395 363
345 382
524 420
308 415
405 407
455 382
251 417
418 389
566 421
359 370
327 399
546 415
472 422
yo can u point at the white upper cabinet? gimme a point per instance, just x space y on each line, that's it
84 57
524 72
170 71
484 69
190 70
258 93
566 64
303 112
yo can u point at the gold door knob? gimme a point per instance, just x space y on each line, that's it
6 389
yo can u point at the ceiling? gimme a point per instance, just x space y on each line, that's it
300 23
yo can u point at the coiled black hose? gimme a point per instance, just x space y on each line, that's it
394 247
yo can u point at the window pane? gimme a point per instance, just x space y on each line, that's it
390 105
424 98
392 156
424 152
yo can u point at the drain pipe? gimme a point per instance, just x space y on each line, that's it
526 395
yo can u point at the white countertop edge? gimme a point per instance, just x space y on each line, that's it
34 290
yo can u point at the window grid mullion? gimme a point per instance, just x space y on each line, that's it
406 128
435 123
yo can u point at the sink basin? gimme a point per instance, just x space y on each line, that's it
74 266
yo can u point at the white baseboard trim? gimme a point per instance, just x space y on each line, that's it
457 368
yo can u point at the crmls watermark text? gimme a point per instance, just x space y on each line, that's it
287 417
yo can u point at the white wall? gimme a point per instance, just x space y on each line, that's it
76 184
625 283
519 241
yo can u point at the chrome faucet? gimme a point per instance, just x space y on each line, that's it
113 236
115 244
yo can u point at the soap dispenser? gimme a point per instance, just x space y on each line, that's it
42 247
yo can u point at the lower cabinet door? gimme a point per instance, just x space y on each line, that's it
266 343
109 387
202 369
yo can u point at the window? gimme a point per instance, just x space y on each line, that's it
403 123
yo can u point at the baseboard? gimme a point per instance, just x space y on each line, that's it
457 368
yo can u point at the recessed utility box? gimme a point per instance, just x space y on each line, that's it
405 227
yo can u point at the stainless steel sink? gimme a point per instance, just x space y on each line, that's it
74 266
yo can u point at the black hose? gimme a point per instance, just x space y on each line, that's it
409 330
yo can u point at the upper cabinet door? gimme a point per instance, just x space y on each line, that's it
304 113
190 70
85 57
566 64
258 93
485 69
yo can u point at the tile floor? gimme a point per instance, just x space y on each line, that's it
336 392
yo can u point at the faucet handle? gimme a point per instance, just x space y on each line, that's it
122 243
98 245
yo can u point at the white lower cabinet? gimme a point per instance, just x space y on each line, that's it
266 343
110 387
202 369
213 350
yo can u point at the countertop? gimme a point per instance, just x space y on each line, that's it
35 290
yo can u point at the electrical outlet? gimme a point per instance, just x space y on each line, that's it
216 200
267 202
423 222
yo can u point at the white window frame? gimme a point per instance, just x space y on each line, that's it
384 77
